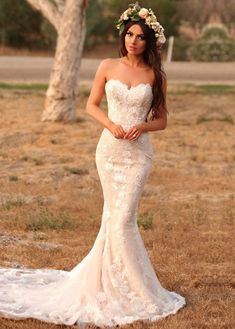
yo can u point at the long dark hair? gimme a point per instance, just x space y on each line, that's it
152 57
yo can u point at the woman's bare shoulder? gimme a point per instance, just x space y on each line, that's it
109 62
107 65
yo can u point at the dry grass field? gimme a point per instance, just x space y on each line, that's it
51 198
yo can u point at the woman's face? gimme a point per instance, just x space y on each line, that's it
135 40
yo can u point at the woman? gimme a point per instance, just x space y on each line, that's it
115 283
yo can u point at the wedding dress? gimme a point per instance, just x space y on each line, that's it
115 283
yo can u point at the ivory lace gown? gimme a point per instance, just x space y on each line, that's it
115 283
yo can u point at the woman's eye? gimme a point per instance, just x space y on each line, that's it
140 37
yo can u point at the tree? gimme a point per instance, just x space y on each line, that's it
19 24
214 45
196 12
97 29
226 10
68 18
200 11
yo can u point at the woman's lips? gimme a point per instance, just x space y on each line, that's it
132 48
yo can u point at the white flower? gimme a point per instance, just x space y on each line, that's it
143 13
154 26
148 20
125 15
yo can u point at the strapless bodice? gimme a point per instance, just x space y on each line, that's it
128 106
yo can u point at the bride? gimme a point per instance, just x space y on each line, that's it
115 283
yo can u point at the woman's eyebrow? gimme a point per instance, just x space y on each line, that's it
141 34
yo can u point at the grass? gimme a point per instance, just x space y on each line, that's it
222 118
185 216
76 171
83 89
216 89
199 217
14 203
24 86
38 162
145 221
13 178
24 158
46 220
194 158
184 88
207 89
54 141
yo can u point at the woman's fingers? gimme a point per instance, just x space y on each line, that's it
119 132
128 134
123 130
132 134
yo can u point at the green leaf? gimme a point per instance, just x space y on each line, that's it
121 29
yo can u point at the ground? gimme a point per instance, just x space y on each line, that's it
51 197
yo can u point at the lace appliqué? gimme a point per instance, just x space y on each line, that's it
120 282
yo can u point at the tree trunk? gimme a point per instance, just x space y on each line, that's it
68 17
60 104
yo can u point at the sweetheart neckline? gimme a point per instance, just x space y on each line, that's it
132 87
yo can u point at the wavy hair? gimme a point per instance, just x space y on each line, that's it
152 57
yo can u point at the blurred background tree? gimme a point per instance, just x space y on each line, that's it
22 27
207 30
214 45
226 9
96 31
194 14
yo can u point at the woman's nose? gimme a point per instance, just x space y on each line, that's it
133 40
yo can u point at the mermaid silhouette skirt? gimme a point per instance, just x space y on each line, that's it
115 283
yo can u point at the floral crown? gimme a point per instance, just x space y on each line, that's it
135 13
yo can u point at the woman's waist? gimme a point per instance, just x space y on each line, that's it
128 122
144 136
110 143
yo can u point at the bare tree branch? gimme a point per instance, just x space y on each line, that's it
60 5
226 10
196 12
49 10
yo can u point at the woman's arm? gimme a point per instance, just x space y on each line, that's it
96 95
158 124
